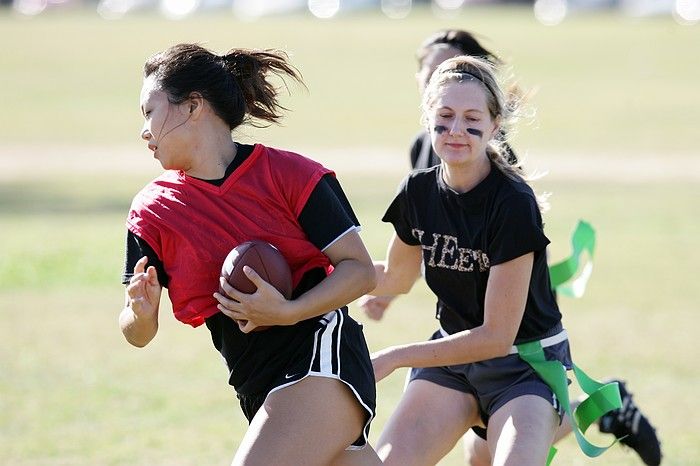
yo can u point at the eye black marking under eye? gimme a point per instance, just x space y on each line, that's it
475 132
439 129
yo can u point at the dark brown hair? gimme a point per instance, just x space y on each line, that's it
463 41
236 84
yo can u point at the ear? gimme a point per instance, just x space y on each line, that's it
196 103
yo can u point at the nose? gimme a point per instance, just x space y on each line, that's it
146 134
457 127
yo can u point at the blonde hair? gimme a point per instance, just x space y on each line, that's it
505 107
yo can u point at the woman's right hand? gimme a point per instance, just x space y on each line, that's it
375 306
143 290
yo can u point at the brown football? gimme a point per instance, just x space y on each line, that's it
266 260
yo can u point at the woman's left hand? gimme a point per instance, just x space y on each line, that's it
383 363
265 307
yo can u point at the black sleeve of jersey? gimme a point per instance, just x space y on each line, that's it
327 213
516 229
136 248
398 215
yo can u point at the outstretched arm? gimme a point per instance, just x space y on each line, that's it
506 295
400 270
397 274
374 307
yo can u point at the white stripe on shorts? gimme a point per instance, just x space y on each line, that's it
324 351
327 352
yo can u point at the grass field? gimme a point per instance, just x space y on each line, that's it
616 127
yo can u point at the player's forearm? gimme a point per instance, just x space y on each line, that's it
138 330
349 280
400 270
464 347
393 281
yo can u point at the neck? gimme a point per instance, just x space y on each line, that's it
214 153
465 176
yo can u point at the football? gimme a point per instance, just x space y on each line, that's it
266 260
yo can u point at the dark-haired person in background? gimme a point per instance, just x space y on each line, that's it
308 376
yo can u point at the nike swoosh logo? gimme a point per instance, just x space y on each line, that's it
287 376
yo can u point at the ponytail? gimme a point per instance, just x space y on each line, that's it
251 69
236 84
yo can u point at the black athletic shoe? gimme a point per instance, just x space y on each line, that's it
633 427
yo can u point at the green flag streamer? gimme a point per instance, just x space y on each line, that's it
601 398
562 273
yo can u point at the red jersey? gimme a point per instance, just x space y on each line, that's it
192 225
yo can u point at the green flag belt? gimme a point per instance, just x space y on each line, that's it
602 398
562 273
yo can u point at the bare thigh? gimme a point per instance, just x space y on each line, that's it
521 432
476 450
426 424
311 423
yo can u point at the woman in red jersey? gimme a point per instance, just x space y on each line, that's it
309 375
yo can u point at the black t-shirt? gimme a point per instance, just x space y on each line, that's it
327 201
422 154
463 234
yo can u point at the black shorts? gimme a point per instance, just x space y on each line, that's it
335 349
494 382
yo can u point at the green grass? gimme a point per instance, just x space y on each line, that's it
73 392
